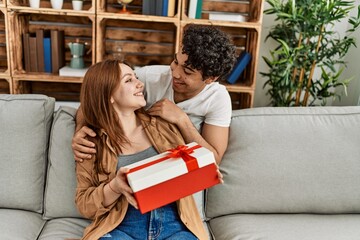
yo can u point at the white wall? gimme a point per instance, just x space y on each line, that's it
353 66
352 71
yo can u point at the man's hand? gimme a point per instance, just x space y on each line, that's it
167 110
220 176
83 148
212 137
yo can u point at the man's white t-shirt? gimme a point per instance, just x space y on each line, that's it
212 105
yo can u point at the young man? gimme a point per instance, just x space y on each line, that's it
187 93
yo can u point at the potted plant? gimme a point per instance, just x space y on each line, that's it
306 66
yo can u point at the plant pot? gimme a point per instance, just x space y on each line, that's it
56 4
34 3
77 5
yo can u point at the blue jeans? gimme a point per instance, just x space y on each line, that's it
159 224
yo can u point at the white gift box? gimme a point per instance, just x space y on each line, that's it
169 176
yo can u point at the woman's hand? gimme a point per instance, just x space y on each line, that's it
121 186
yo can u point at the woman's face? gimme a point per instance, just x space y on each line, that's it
128 95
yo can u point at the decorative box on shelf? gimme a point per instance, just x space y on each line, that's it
72 72
169 176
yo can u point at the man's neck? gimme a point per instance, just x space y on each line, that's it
180 97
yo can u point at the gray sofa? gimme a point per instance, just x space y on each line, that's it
290 173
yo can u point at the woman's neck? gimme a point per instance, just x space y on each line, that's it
135 133
130 123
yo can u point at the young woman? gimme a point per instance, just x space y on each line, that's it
111 102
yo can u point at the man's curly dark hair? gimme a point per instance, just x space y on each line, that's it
209 50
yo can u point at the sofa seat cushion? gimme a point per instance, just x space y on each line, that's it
64 228
20 225
25 122
286 227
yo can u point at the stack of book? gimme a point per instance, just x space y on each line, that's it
164 8
44 51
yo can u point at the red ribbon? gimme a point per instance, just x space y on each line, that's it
180 151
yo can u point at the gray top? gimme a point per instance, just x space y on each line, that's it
124 160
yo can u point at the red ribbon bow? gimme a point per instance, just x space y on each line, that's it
180 151
184 152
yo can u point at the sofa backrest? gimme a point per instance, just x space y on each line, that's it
61 178
24 135
290 160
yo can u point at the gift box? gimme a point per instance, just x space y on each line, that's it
169 176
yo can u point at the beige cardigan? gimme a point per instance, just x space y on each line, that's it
89 192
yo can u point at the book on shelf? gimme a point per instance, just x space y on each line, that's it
195 9
198 9
57 50
33 53
146 7
40 49
26 51
222 16
67 71
171 8
149 7
158 7
165 6
47 54
241 63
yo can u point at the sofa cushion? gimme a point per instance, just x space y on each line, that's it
61 178
20 224
290 160
64 228
286 227
25 122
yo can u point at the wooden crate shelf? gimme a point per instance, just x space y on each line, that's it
139 43
61 91
137 38
5 85
74 27
241 100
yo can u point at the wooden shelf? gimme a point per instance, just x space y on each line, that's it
238 88
46 77
139 39
137 17
66 12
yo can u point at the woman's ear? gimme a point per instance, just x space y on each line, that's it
112 100
210 80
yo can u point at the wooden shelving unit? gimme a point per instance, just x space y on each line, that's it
75 24
139 39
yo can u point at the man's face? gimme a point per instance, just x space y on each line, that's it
187 82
